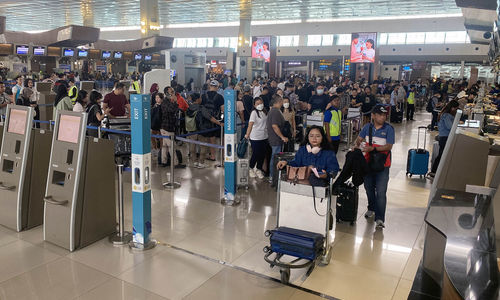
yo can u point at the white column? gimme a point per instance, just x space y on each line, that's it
462 69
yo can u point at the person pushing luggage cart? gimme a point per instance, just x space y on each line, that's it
302 229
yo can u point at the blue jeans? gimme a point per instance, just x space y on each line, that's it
376 189
275 150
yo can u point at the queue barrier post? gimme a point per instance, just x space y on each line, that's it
122 237
221 161
171 184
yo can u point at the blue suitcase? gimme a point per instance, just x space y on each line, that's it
298 243
418 159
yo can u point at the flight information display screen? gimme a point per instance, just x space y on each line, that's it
68 52
17 121
106 54
22 50
69 129
39 51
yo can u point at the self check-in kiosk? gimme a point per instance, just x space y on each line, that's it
24 160
80 192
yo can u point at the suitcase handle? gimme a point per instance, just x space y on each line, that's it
418 136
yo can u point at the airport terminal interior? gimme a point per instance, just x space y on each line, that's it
154 149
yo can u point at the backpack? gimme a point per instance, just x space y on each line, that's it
429 107
191 123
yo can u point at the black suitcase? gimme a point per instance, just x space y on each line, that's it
347 203
295 242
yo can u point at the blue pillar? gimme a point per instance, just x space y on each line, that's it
141 168
229 146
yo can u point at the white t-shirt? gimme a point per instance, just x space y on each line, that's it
78 107
370 53
259 129
257 91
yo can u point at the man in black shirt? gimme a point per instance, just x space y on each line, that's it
369 102
266 97
319 100
213 102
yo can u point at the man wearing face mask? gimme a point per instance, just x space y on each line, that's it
319 101
275 123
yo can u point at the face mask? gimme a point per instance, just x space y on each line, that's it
313 150
286 105
319 92
260 107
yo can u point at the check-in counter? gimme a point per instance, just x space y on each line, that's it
459 260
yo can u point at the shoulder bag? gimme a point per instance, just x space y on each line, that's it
377 159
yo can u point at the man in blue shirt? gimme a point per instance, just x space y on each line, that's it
383 138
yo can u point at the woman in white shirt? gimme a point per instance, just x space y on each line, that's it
257 133
81 101
369 53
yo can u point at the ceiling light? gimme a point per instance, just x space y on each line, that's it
382 18
120 28
206 24
35 31
275 22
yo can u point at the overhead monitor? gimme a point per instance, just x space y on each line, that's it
260 47
138 56
148 57
118 55
68 52
363 47
22 49
69 129
83 53
39 51
106 54
17 121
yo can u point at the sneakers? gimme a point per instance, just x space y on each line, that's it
196 165
259 174
430 175
201 166
252 173
380 224
369 214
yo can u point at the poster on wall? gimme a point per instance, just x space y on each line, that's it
363 47
260 47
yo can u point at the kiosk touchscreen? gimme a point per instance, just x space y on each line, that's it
24 160
80 191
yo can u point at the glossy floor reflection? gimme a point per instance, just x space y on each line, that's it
366 263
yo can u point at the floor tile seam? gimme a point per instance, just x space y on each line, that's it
149 257
245 252
31 269
114 277
16 239
248 271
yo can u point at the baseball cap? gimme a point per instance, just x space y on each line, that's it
247 88
214 83
379 109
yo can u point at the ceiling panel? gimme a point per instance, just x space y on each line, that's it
43 15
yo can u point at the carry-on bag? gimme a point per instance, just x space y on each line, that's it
418 159
287 156
347 203
295 242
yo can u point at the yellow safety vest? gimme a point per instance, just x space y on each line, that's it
137 87
411 98
73 94
335 123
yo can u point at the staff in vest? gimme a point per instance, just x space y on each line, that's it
410 109
333 122
16 90
73 91
136 85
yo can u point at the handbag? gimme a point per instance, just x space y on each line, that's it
241 150
298 174
377 159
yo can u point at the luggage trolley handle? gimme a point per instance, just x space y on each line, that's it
6 187
49 199
418 136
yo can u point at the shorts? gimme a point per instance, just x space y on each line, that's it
213 133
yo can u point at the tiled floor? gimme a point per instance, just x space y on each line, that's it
366 263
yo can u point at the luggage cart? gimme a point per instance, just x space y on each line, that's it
321 224
123 142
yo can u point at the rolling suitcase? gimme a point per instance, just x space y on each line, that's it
418 159
242 173
295 242
347 203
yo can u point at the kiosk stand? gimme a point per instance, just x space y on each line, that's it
80 194
24 160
